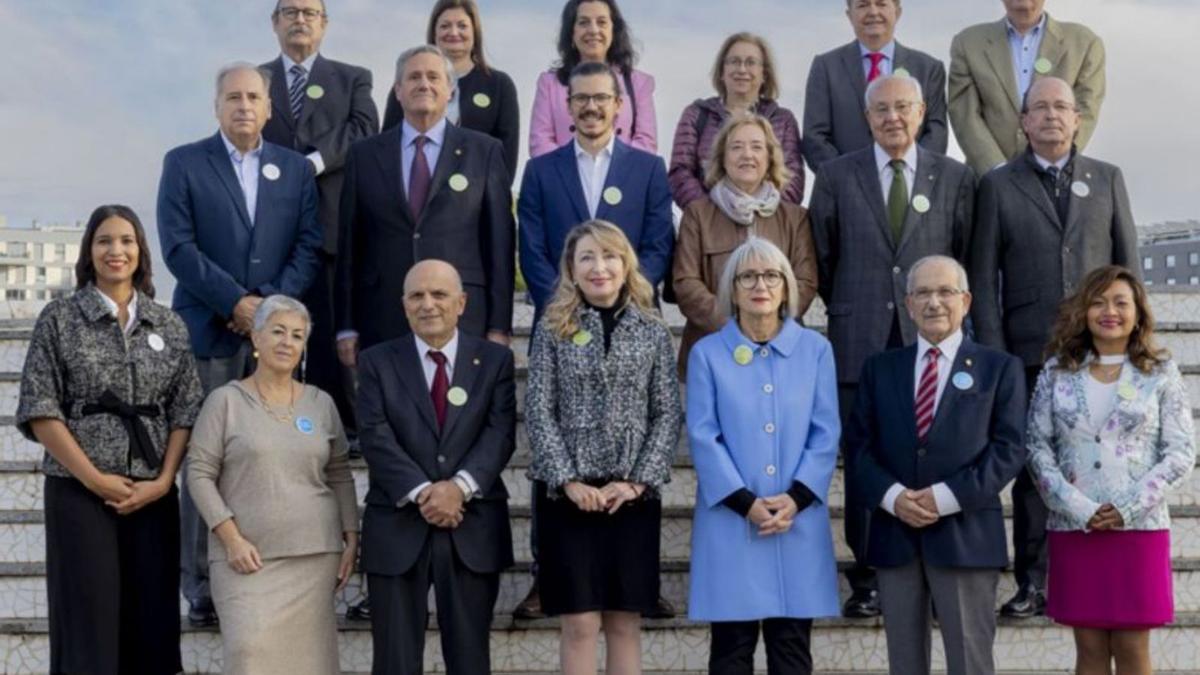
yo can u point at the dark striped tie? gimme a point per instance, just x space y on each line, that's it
296 91
927 394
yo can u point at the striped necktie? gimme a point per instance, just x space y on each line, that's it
296 91
927 394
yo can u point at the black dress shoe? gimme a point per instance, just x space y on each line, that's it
360 611
663 609
202 615
861 605
531 607
1028 601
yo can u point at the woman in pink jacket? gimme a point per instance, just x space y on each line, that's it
593 30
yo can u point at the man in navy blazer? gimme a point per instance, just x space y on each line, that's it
437 423
237 219
936 434
594 176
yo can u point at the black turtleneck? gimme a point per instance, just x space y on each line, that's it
608 319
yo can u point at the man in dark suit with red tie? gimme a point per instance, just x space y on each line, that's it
437 424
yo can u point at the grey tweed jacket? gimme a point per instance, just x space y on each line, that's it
593 416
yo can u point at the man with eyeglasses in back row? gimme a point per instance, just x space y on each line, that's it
874 213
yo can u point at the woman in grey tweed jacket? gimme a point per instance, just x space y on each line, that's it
603 413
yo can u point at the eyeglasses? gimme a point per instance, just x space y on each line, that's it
582 100
293 13
1060 107
770 278
736 62
944 294
902 109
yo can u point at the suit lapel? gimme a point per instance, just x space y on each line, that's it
868 178
1076 205
387 153
951 393
568 171
266 188
905 382
999 55
281 103
613 179
412 375
1027 181
223 166
449 158
852 62
466 370
925 176
1053 48
319 75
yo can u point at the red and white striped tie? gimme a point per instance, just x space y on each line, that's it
927 394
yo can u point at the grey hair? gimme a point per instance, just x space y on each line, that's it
243 65
762 250
911 284
402 62
879 82
274 304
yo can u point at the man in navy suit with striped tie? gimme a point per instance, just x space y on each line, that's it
937 432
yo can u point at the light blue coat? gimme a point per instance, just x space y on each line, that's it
761 426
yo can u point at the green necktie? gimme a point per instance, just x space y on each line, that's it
897 204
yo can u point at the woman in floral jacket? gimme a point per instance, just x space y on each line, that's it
1110 435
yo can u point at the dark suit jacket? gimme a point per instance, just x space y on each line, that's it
1024 261
552 202
976 446
861 272
472 230
487 103
404 448
328 125
215 253
835 120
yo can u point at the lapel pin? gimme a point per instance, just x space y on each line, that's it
1080 189
304 425
967 361
1126 391
612 196
475 361
315 91
271 172
1043 65
457 396
481 100
156 342
962 381
458 152
743 355
581 338
920 204
459 182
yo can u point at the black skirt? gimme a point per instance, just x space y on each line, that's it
112 583
590 562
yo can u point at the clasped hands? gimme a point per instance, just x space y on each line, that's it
1107 517
243 315
773 515
917 508
608 498
441 504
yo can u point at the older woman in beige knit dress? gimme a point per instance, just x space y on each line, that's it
268 470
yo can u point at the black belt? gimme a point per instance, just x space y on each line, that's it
131 418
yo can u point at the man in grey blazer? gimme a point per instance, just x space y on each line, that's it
1043 221
874 213
833 125
992 65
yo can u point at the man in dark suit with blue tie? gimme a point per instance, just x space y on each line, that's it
237 219
319 107
437 424
936 434
597 175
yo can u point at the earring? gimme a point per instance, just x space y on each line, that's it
255 354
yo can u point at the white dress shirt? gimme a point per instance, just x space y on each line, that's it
463 478
593 172
113 307
246 167
1024 50
1046 164
883 163
947 503
314 156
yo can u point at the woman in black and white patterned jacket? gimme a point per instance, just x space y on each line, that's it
603 413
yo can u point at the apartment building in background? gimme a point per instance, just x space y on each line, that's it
38 262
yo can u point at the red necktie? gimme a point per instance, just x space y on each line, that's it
441 386
418 183
927 394
876 59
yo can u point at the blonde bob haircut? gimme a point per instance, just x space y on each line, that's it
763 252
777 172
770 86
562 314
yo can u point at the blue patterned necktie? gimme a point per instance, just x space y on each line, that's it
296 91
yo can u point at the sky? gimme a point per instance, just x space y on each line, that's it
94 92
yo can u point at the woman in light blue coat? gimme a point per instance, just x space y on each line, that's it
763 426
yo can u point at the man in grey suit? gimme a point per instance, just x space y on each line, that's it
1043 221
874 213
838 79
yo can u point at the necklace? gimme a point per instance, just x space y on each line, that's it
291 411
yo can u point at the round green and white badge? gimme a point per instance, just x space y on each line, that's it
457 396
459 182
581 338
901 72
612 196
920 204
743 355
315 91
481 100
1043 66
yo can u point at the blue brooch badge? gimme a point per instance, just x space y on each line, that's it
304 425
963 381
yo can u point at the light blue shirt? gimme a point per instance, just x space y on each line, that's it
408 149
886 65
246 168
1024 50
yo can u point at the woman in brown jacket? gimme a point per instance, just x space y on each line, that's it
745 175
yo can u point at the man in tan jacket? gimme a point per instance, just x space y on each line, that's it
992 66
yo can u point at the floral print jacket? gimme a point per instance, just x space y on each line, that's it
1144 449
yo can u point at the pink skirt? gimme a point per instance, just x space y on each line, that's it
1110 580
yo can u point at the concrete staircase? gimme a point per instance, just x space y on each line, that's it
670 647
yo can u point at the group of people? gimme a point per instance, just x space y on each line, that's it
986 322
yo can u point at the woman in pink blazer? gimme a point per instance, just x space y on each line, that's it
593 30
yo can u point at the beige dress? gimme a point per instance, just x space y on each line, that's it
288 486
